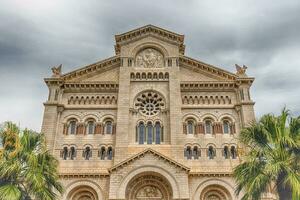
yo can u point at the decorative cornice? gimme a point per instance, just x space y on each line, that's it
208 85
152 31
53 81
151 151
184 60
245 80
83 175
101 65
91 86
211 174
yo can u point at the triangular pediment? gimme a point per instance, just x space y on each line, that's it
105 75
192 70
153 31
194 75
152 152
99 71
195 70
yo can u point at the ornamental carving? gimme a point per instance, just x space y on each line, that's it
241 71
149 58
149 191
213 197
148 187
149 103
56 71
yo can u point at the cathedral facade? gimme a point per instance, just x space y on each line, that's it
147 123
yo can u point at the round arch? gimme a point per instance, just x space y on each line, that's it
153 45
71 116
108 116
227 116
90 116
208 116
121 194
190 116
148 185
214 187
83 189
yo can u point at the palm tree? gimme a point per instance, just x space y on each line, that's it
272 161
27 169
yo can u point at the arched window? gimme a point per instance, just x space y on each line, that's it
108 127
233 152
72 153
211 152
149 133
87 153
109 153
65 153
169 62
158 133
190 127
90 127
188 153
226 152
72 127
196 153
208 127
102 153
141 135
226 127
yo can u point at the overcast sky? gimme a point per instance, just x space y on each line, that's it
38 34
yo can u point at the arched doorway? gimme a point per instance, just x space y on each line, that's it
83 193
215 192
148 186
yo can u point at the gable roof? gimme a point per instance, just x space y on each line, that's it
98 66
153 152
199 65
145 31
149 30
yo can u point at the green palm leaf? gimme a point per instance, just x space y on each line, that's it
26 166
273 155
10 192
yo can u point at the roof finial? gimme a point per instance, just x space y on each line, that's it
56 71
241 71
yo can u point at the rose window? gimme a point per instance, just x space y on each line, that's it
149 103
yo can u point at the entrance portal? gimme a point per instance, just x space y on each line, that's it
83 193
148 186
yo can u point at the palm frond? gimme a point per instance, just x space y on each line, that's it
10 192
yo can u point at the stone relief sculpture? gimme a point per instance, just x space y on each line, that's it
213 197
149 191
241 70
149 58
56 71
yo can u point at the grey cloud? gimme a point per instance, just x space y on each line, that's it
264 35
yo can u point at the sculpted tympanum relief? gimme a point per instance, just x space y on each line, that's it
149 58
213 197
149 192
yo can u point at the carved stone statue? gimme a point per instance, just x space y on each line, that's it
241 70
56 71
149 58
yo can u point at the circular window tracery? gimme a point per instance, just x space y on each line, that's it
149 103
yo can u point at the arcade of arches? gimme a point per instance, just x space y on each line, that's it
150 186
83 193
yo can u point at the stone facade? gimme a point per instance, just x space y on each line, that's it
147 123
